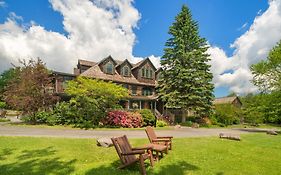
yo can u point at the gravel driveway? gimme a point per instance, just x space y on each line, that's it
7 130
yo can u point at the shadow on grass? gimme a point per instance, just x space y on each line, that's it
4 153
179 168
41 161
113 167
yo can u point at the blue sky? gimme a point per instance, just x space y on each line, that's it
218 20
221 22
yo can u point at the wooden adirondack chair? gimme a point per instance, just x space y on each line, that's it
167 140
127 154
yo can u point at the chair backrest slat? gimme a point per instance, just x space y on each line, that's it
115 143
122 145
150 133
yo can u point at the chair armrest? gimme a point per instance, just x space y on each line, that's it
143 147
165 137
161 140
134 152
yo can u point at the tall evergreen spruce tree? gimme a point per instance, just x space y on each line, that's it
186 78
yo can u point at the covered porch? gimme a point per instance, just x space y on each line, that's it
142 102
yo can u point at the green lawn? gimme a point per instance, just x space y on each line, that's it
255 154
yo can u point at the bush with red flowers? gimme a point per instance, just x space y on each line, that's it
119 118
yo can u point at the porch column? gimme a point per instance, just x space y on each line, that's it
154 105
140 104
56 85
128 105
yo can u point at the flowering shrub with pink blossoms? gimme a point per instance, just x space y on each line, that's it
123 119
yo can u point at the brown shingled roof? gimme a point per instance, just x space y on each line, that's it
96 72
225 100
138 64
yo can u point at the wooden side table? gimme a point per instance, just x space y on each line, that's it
158 149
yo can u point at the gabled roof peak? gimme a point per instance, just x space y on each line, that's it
142 62
125 61
108 57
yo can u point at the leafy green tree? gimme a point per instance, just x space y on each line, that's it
267 76
272 111
6 77
90 99
267 73
30 91
186 80
262 108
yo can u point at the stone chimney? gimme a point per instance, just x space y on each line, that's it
76 71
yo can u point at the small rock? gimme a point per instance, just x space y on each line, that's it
177 126
270 132
104 142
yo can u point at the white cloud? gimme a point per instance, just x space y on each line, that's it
95 29
155 60
219 62
250 48
2 3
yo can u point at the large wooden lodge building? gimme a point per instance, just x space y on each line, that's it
140 79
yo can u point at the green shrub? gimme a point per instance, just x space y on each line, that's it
187 123
226 114
161 123
64 113
38 117
42 116
2 105
214 120
148 117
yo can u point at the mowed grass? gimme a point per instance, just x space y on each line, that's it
255 154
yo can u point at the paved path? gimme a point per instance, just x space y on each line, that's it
6 130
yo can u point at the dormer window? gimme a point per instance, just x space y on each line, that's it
126 71
147 73
109 68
